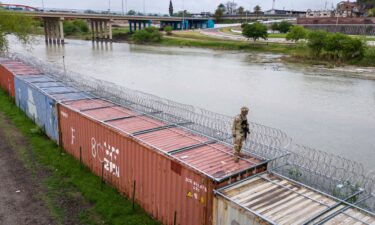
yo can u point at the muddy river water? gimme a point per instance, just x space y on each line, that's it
322 109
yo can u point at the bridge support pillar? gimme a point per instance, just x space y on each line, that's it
101 30
53 30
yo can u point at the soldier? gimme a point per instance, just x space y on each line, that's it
240 130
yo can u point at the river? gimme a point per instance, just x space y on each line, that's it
320 109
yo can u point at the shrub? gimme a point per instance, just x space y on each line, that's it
353 48
82 25
296 33
147 35
75 27
316 42
168 30
333 44
275 27
255 31
284 27
336 46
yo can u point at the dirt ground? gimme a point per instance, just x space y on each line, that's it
19 192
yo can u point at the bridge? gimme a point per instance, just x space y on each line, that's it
101 24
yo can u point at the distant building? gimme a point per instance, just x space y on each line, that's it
319 13
343 9
347 9
284 12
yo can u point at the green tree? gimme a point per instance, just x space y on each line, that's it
340 46
132 13
353 48
147 35
222 8
17 24
257 10
255 31
218 15
275 27
241 10
371 12
284 27
168 30
315 42
296 33
170 8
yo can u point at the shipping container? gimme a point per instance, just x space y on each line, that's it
10 68
268 198
171 172
35 95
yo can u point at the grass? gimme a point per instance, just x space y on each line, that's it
297 53
66 173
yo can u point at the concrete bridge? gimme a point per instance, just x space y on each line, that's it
101 24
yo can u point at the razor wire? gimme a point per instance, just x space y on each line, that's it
332 174
266 142
329 173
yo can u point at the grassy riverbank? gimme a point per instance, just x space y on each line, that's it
296 53
69 185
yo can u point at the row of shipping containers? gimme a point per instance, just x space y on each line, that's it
177 176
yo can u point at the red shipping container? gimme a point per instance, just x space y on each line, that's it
10 68
173 172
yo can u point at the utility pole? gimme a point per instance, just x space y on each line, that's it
43 4
122 7
109 6
144 7
183 14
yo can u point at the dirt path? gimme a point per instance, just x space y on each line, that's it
20 202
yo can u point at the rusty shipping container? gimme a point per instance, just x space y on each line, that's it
10 68
268 198
172 172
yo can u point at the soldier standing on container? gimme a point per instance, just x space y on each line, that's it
240 130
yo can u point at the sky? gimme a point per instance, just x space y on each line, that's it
161 6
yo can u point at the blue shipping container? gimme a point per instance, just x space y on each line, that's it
37 96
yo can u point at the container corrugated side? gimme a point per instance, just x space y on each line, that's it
39 106
163 187
10 68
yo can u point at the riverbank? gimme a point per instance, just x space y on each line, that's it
296 53
69 192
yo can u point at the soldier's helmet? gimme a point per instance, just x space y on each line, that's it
244 109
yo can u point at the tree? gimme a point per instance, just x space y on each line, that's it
371 12
284 26
170 8
17 24
132 13
275 27
222 7
257 10
241 10
255 31
316 42
296 33
218 15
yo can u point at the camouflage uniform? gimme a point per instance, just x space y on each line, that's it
240 130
